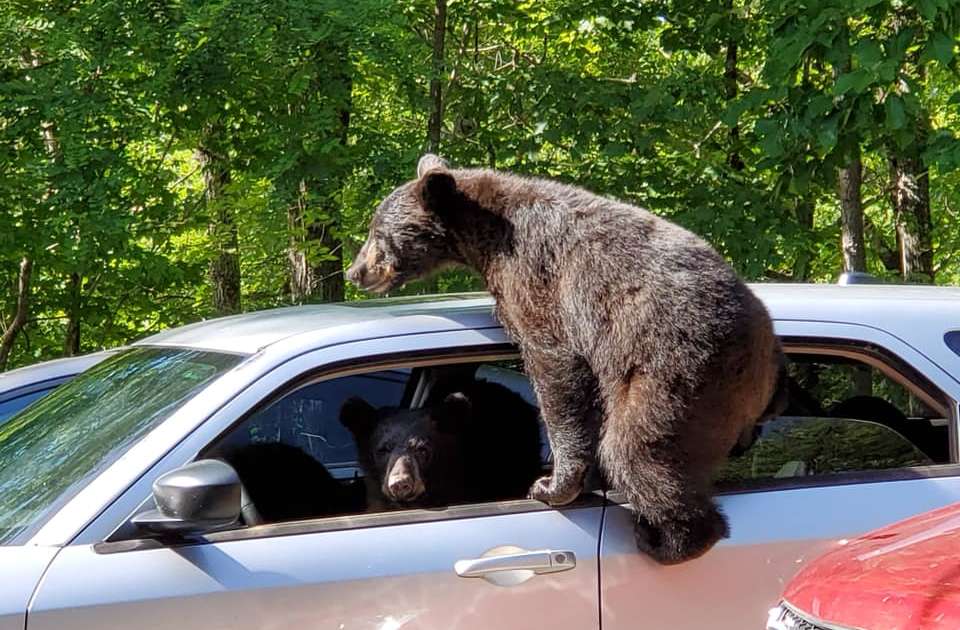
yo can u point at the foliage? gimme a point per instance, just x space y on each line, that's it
727 116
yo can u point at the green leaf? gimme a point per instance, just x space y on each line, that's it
856 82
896 116
827 134
868 52
941 47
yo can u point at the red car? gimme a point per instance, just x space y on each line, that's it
903 576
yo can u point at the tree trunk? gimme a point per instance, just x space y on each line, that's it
435 124
315 255
20 314
225 263
804 215
909 179
730 93
851 215
71 343
315 276
910 188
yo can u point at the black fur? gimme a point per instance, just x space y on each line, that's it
647 352
476 442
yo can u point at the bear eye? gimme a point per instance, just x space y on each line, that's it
383 450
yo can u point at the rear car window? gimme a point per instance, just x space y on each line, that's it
12 406
953 340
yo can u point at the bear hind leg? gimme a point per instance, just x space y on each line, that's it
676 518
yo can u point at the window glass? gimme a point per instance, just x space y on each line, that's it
802 446
51 449
311 433
12 406
843 416
952 340
308 418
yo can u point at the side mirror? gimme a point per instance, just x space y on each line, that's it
199 497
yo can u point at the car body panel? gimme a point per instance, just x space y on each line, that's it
376 578
21 569
772 535
905 575
249 333
401 575
932 312
773 532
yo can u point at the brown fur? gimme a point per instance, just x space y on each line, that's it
646 351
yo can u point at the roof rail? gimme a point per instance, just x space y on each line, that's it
858 277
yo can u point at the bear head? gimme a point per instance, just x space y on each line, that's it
411 458
409 236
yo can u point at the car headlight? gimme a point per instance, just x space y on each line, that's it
783 617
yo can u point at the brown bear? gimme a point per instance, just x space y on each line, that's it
647 353
440 454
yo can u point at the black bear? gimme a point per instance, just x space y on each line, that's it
647 353
287 484
480 442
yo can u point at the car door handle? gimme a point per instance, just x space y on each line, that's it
540 561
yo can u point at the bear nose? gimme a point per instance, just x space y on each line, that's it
357 272
402 488
402 481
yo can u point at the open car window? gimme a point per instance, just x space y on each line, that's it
302 434
844 416
790 447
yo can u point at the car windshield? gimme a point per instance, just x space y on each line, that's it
50 450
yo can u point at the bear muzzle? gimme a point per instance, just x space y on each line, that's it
403 482
376 279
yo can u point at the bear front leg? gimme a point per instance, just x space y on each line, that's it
567 394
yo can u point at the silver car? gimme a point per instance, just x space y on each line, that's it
115 511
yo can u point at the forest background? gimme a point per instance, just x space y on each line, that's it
165 161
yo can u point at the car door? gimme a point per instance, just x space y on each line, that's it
512 564
780 522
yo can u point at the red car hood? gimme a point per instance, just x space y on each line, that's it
904 576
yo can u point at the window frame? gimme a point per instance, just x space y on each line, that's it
119 539
497 347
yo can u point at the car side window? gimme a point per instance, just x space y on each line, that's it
308 418
390 440
844 415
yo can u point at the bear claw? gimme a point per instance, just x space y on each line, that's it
544 489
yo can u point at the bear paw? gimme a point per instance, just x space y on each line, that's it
544 489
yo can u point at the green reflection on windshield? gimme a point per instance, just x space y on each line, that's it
51 449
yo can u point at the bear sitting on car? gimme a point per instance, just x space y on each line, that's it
473 443
649 356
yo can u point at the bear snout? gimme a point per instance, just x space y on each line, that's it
369 272
357 273
404 482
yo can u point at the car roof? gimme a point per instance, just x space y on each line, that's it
250 332
883 306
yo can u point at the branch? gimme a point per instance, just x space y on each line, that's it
20 317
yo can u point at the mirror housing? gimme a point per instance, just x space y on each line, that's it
196 498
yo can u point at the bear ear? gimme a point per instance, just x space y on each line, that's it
437 186
358 416
455 410
430 162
